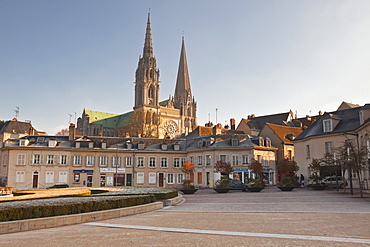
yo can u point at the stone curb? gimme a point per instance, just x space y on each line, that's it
40 223
173 201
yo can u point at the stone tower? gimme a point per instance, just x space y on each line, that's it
147 75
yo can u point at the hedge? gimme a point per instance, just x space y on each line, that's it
71 206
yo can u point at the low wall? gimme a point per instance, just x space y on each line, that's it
35 224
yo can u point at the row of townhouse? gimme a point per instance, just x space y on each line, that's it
329 132
41 161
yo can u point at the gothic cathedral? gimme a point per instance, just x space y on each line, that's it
173 117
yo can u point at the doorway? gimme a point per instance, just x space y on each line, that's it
160 179
89 180
102 180
35 180
128 180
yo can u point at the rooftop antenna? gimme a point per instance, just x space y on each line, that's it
16 112
209 117
70 116
216 114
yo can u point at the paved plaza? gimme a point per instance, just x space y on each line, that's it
270 218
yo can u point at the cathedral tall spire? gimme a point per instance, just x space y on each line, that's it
183 90
148 45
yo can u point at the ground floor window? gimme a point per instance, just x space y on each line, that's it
152 177
180 178
140 177
76 177
170 178
49 178
19 177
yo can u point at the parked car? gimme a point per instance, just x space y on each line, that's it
331 182
236 184
58 186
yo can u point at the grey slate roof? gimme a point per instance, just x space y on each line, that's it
259 122
15 126
348 121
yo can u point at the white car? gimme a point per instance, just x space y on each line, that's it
331 182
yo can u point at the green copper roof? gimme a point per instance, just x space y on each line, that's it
163 103
108 120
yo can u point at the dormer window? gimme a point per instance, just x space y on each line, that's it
164 146
200 144
261 141
52 143
176 147
104 145
140 146
78 144
23 142
234 142
328 125
91 144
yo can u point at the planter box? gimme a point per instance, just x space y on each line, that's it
255 189
188 191
286 188
221 190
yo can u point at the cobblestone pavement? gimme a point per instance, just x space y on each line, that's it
269 218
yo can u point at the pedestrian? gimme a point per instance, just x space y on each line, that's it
302 180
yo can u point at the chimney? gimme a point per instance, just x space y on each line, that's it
232 123
32 131
320 113
72 132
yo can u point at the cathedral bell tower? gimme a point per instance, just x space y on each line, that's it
147 75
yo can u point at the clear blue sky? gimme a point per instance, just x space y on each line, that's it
245 57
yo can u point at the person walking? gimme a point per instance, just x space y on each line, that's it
302 180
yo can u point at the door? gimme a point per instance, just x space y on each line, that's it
160 179
128 180
208 178
35 180
89 180
119 179
102 180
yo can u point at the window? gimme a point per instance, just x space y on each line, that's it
50 159
259 159
289 155
170 178
21 159
63 175
128 161
140 161
180 178
140 178
22 143
164 162
76 178
368 148
328 147
200 160
176 162
192 159
208 160
116 161
77 160
49 178
152 177
328 127
90 160
200 177
245 159
151 162
103 160
223 157
236 160
308 152
63 159
234 142
19 177
182 161
36 159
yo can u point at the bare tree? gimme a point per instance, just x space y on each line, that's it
63 132
144 124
